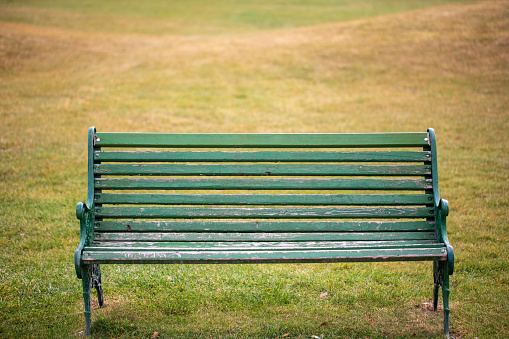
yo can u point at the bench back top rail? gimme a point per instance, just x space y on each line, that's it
258 140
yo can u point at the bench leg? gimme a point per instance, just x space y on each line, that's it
441 277
86 278
436 278
96 280
445 296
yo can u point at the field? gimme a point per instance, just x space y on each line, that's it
251 66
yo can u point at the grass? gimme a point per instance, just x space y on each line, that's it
300 66
197 16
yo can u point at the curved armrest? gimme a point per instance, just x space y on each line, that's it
81 208
443 208
83 213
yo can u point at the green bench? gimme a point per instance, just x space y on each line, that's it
261 198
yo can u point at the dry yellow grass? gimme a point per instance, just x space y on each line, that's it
339 76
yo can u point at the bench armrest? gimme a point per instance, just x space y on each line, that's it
443 212
84 210
84 214
81 208
441 205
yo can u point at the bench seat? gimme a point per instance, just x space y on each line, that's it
203 253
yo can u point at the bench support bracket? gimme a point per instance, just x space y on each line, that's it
91 277
441 277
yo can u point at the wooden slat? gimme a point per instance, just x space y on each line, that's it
262 184
261 226
264 199
263 212
266 246
262 156
126 257
315 236
265 169
275 140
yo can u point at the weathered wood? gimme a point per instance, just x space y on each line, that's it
264 212
262 156
212 257
261 226
242 246
264 199
275 140
309 236
265 170
262 184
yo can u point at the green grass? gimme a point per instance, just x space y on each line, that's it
198 16
298 66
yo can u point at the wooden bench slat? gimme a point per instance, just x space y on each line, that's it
211 257
264 212
264 170
182 140
264 199
262 184
314 236
265 246
261 226
262 156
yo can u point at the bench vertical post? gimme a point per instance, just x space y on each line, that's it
445 268
86 278
445 296
436 286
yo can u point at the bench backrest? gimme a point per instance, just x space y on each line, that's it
262 187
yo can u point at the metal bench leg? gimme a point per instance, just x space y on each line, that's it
96 279
441 277
445 296
86 278
436 278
